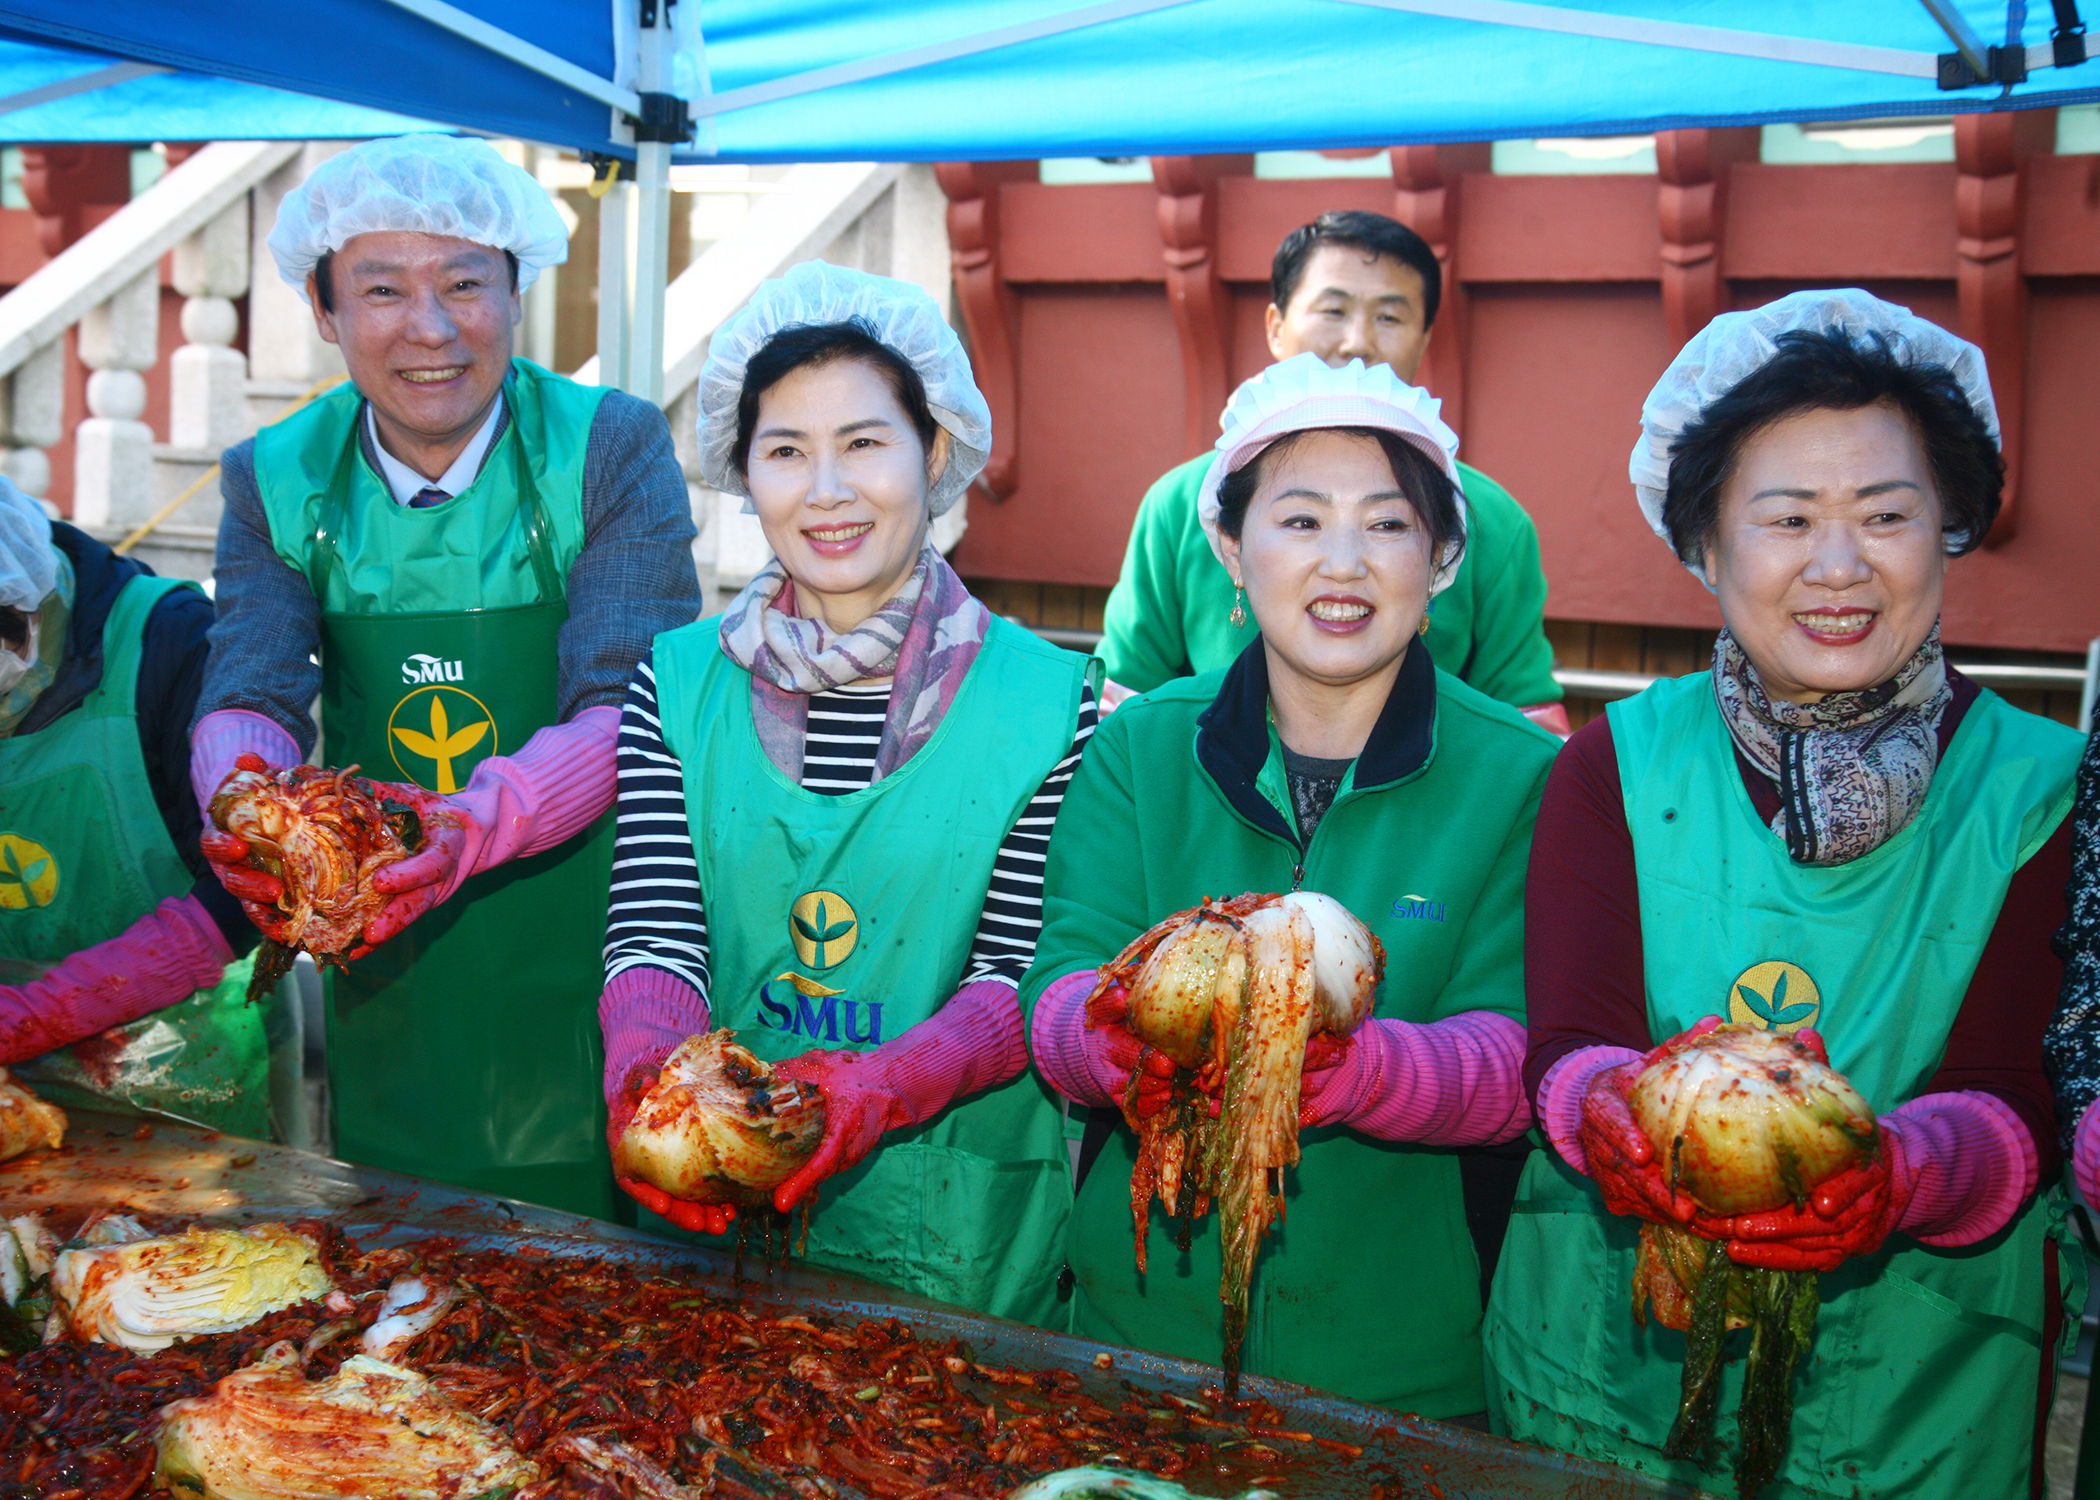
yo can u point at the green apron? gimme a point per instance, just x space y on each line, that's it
1926 1362
84 853
467 1049
839 922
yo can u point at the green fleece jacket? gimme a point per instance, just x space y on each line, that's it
1169 614
1181 796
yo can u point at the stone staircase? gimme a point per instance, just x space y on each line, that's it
215 212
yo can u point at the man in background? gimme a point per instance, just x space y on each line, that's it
1347 286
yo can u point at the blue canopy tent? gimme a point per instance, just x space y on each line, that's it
769 80
56 94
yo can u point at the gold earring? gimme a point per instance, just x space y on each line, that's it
1424 629
1239 606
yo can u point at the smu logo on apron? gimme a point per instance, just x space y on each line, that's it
824 930
1775 995
28 873
439 734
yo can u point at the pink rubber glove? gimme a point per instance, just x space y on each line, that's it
645 1013
1953 1169
2085 1155
970 1043
1621 1159
1094 1065
1455 1082
514 806
216 743
1088 1065
1562 1091
165 956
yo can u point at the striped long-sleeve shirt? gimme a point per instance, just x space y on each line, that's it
656 916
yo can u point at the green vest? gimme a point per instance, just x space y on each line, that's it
84 853
1926 1362
467 1049
839 922
1370 1286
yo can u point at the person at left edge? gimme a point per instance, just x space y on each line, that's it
478 552
113 931
835 801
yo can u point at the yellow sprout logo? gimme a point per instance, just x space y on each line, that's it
824 929
460 729
1776 995
28 873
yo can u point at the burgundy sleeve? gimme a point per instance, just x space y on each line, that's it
1583 983
1995 1046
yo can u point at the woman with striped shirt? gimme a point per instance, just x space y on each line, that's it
835 803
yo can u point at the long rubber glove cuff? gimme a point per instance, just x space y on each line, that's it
645 1013
165 956
2085 1154
1454 1082
222 738
972 1042
1561 1093
1973 1163
1088 1065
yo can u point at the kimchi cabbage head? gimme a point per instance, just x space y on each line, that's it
146 1294
371 1429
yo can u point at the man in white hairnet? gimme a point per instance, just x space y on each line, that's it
465 556
119 985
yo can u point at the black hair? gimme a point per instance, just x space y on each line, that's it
1827 370
1373 234
324 289
1428 488
805 344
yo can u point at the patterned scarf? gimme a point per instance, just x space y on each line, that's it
1853 769
925 639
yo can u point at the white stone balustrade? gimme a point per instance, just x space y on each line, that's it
34 417
108 283
207 377
113 447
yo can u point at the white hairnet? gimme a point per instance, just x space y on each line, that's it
419 184
28 563
1302 392
896 313
1724 352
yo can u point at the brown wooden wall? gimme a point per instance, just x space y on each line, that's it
1109 323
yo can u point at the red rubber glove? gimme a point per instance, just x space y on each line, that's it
621 1103
972 1042
223 742
429 876
1622 1160
1120 1057
227 853
257 890
512 807
1849 1215
859 1105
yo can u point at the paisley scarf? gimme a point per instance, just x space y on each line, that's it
924 639
1852 769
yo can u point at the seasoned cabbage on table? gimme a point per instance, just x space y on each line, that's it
603 1378
371 1428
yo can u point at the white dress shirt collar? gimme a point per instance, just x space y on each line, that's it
406 483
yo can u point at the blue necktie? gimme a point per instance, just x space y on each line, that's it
426 497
